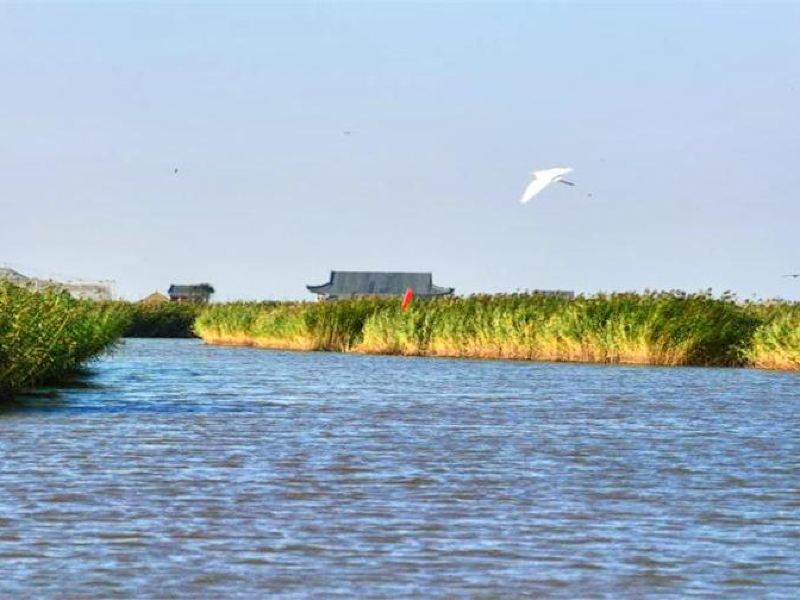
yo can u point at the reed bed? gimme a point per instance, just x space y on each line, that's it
334 326
666 328
776 342
164 320
47 336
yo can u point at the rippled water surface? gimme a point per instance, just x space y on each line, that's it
178 469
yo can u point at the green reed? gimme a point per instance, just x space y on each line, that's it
776 342
665 328
162 320
294 325
47 336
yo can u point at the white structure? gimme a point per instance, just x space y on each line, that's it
82 290
12 276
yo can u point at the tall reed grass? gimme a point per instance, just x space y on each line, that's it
336 326
164 320
659 329
776 342
668 328
47 336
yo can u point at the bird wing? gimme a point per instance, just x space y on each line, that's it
553 173
534 187
541 179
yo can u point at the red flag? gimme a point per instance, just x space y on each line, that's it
407 298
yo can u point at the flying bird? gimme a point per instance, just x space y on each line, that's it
793 275
176 170
541 179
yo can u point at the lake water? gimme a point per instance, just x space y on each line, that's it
176 469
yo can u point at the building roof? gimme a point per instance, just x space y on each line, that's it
154 298
178 289
378 283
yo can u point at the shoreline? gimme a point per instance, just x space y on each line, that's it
659 328
242 341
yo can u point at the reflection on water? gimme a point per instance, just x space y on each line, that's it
177 469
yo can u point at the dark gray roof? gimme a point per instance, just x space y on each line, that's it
194 288
365 283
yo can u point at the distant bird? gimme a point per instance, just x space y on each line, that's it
793 275
541 179
348 132
176 170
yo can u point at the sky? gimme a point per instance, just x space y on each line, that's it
681 121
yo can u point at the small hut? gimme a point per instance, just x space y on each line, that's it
154 298
199 293
353 284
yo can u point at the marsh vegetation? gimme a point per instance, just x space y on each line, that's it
663 328
46 336
162 320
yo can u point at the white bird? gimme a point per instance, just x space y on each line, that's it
541 179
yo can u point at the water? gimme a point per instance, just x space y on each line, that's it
176 469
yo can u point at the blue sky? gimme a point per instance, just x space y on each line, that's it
681 121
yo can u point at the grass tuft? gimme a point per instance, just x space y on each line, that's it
48 335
